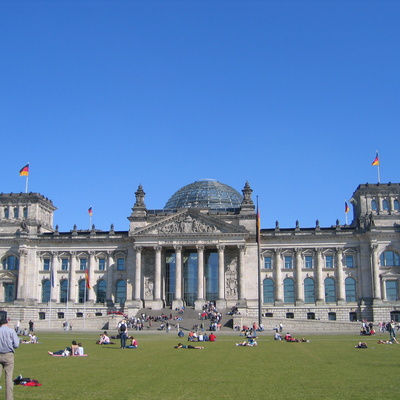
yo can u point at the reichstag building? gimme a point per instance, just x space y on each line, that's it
202 246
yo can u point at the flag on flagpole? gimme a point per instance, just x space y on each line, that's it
90 211
52 276
87 279
258 225
376 160
346 207
24 171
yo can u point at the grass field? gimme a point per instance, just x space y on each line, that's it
329 367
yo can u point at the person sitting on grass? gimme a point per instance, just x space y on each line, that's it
182 346
134 343
212 337
81 352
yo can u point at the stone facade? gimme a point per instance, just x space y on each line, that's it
187 256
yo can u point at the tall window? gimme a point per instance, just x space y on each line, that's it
82 264
330 290
374 206
16 212
211 273
309 262
46 285
288 290
102 264
64 264
392 290
268 262
288 262
64 291
350 289
389 259
25 212
121 292
170 268
190 277
83 291
350 261
101 291
120 264
328 261
9 292
396 205
309 290
10 263
46 264
6 213
385 205
268 291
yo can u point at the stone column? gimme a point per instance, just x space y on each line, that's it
221 302
340 276
278 277
178 302
72 277
198 304
110 279
92 267
241 280
299 282
377 295
320 292
157 303
138 276
21 284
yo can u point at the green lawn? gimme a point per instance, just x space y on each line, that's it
329 367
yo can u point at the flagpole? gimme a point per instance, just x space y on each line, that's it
259 266
379 169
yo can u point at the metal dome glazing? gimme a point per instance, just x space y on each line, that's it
205 193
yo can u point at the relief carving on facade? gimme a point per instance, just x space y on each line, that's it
187 224
231 281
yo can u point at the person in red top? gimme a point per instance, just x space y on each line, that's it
212 337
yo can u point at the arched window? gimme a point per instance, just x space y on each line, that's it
10 262
374 206
288 291
350 289
385 205
396 205
64 291
330 290
83 291
268 291
390 259
309 290
46 291
121 292
101 291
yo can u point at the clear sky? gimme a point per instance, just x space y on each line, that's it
294 97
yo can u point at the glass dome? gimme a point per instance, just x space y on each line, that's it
205 193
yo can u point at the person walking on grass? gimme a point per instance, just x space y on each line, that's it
8 343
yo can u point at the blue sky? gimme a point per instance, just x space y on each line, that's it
293 96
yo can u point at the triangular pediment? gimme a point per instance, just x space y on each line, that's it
391 273
190 222
7 276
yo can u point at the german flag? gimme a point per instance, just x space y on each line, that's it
90 211
376 160
87 279
24 171
346 207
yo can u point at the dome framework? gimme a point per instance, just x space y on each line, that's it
205 193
